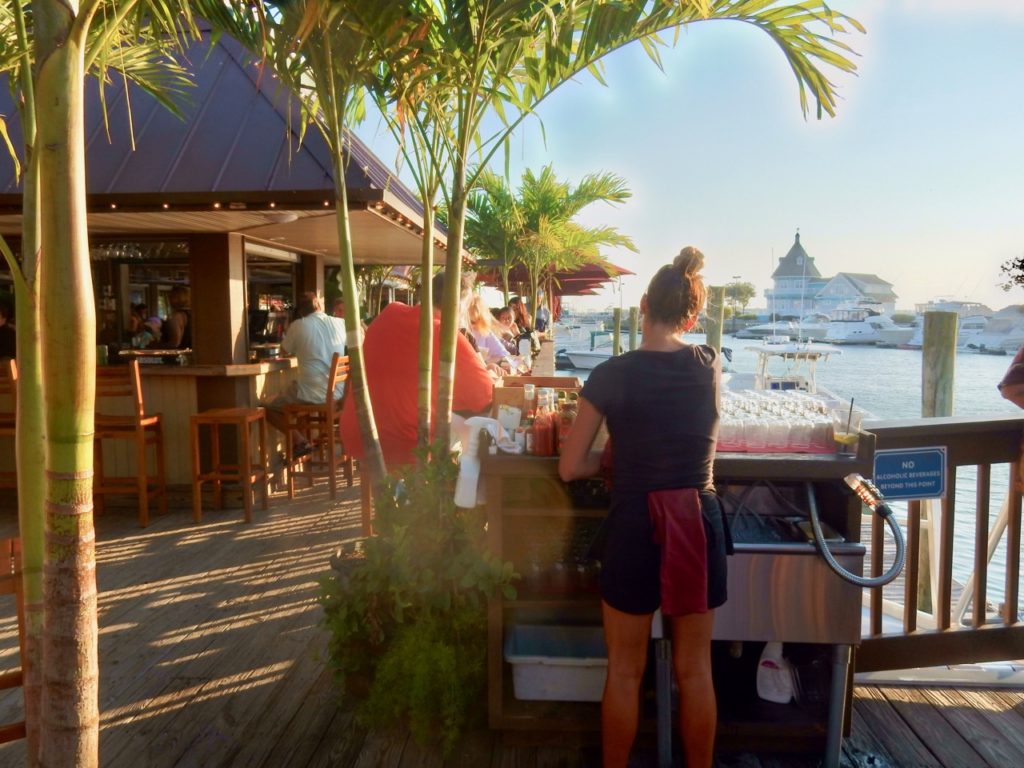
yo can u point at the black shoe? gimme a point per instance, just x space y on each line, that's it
301 451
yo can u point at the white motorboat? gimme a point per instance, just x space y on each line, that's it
896 336
810 327
586 360
1003 333
970 328
859 325
783 364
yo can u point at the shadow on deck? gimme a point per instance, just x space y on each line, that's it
211 654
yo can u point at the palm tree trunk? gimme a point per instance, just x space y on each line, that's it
30 446
450 307
426 327
70 713
31 458
359 392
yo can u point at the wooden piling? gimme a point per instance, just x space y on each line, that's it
715 315
938 367
617 331
634 326
938 363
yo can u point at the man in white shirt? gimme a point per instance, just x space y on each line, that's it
313 338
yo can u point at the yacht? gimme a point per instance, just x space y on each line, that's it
810 327
1003 333
896 336
968 331
860 324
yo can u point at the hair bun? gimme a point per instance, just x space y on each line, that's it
690 261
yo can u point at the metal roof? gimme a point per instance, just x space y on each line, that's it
796 263
233 163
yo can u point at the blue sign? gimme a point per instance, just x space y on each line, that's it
911 473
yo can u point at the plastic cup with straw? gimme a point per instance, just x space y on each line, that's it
845 430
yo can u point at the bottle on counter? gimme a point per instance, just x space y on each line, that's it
529 401
543 424
567 417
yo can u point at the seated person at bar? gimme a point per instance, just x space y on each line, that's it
177 329
505 327
313 338
520 317
146 330
661 406
479 324
391 356
8 337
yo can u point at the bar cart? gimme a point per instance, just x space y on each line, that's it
780 589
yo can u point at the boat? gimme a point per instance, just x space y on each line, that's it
586 359
969 331
810 327
784 365
862 324
895 336
1003 333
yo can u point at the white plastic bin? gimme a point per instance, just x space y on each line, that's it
556 663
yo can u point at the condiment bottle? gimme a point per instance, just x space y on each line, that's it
543 424
529 400
565 422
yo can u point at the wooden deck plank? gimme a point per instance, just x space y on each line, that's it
1005 714
474 750
341 744
515 756
557 757
382 749
416 756
932 728
975 726
901 742
235 684
212 655
234 623
304 729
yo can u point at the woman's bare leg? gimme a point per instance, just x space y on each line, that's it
698 711
626 636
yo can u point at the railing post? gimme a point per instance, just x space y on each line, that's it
617 331
634 326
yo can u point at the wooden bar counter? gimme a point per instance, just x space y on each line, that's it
178 391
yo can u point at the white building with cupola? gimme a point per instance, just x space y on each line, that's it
800 289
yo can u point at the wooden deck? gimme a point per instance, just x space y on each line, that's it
212 655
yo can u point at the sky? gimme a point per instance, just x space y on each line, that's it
919 178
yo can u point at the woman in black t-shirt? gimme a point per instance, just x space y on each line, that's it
661 406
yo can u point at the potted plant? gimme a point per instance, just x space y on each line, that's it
406 608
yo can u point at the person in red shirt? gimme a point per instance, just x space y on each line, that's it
391 358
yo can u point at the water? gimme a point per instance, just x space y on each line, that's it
887 384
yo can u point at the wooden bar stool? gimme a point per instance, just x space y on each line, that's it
318 423
245 473
119 389
10 583
8 407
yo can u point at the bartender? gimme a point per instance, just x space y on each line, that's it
178 325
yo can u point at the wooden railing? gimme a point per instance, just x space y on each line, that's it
935 636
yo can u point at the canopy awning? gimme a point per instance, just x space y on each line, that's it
588 277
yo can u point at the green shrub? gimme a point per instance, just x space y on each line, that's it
407 610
